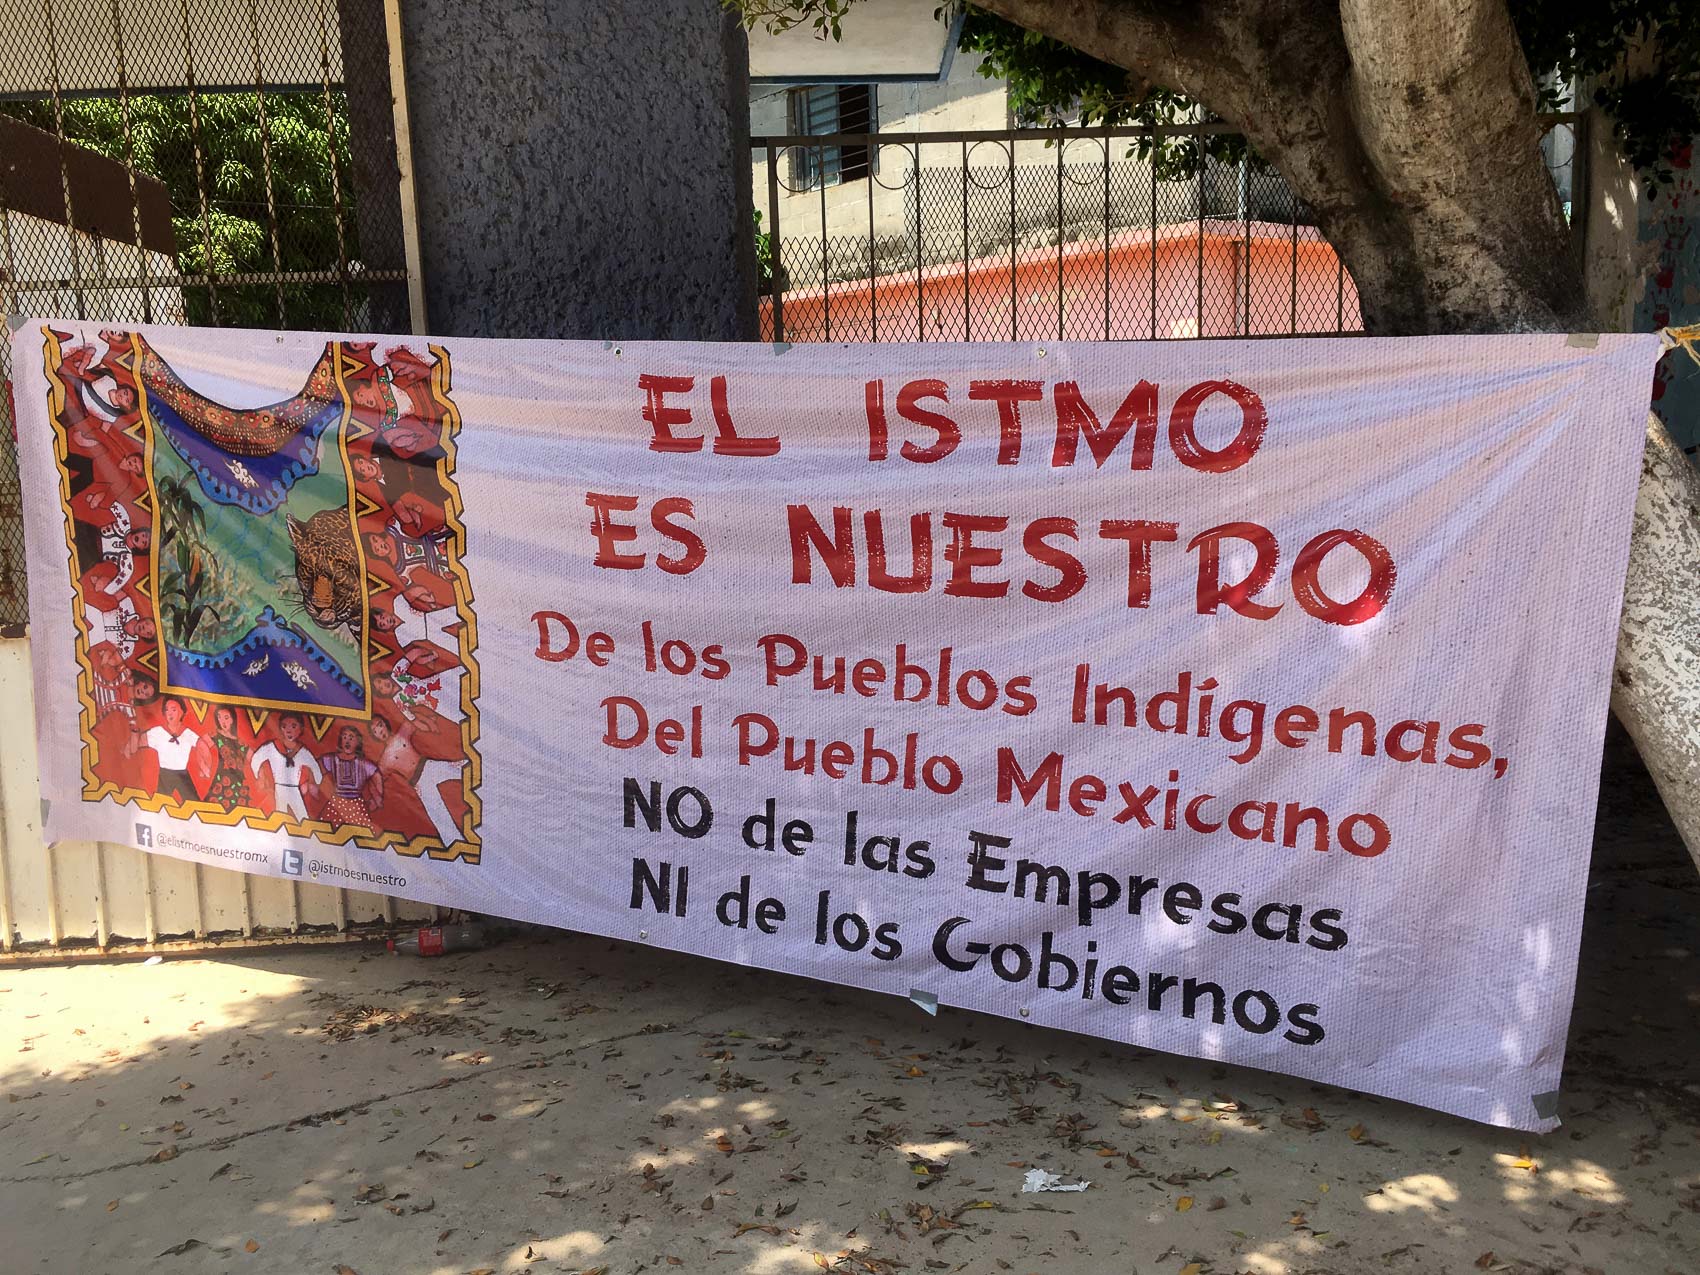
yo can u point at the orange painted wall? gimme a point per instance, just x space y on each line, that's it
1159 288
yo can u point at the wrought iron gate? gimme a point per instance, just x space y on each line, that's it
1068 234
216 162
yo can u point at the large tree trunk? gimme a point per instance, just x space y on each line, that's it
1656 689
1409 126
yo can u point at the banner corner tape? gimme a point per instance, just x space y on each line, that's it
1582 340
1545 1104
928 1002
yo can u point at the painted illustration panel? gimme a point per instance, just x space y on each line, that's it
274 623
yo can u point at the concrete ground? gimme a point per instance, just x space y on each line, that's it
569 1104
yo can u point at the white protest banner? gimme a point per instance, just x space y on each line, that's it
1242 700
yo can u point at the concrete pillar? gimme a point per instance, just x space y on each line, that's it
1615 261
582 170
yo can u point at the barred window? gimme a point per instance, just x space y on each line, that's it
821 110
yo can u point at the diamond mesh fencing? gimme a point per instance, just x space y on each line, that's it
213 162
1077 234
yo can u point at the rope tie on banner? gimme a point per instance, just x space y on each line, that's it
1686 338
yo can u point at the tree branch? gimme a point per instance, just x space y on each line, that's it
1163 44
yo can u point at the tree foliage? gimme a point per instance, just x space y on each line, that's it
1640 59
234 236
1051 84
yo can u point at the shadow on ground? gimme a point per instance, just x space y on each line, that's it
569 1104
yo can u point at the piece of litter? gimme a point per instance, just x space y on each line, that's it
154 960
1045 1180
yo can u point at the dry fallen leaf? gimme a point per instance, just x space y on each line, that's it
1192 1268
1183 1204
111 1205
1485 1261
252 1246
1356 1132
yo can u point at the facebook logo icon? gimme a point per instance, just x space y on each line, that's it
144 836
291 863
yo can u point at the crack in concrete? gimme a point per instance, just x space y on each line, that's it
316 1117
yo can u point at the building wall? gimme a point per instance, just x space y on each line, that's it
965 100
939 203
50 257
579 169
1138 286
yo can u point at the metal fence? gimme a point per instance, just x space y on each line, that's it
1082 234
216 162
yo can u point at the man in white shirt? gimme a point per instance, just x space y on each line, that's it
290 761
120 543
174 743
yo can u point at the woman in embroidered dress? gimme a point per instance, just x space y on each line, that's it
352 785
229 786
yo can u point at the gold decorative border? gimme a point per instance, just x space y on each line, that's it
452 510
468 850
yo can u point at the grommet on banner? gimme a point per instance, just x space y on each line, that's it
1582 340
928 1003
1025 1011
643 934
1545 1104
